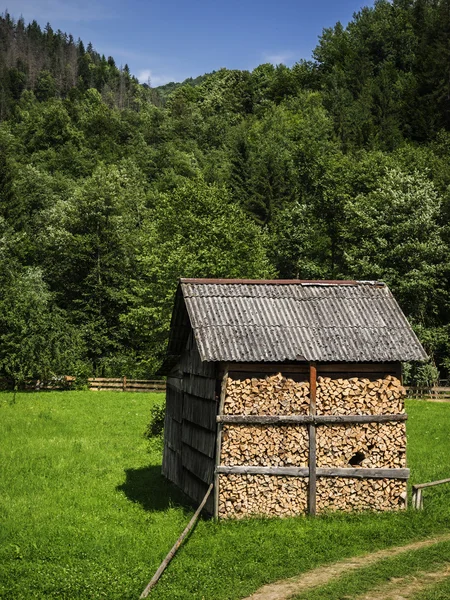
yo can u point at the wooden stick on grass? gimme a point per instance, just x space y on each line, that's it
177 544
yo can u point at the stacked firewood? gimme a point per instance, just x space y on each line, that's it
275 445
367 445
338 493
275 395
370 445
359 396
244 495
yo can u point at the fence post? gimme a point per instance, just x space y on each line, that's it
124 387
417 500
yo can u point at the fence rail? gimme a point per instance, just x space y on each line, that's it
417 499
122 384
428 393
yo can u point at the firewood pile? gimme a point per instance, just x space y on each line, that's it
338 493
370 445
276 445
359 396
366 445
275 395
244 495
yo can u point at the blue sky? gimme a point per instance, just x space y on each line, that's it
176 39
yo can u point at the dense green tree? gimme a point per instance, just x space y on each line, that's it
240 164
393 234
300 246
7 200
50 64
45 86
196 231
89 250
111 190
36 339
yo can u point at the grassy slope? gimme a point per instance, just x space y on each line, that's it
85 514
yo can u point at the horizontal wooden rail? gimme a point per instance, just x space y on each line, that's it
94 383
431 392
420 486
126 385
120 380
306 419
257 470
355 473
417 499
359 473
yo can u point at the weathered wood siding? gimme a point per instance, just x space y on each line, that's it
190 426
369 370
171 465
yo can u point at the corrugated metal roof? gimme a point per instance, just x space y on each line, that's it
255 321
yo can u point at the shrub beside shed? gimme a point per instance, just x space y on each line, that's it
287 396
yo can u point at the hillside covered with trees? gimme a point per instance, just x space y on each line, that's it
338 167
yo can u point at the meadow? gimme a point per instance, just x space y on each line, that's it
85 513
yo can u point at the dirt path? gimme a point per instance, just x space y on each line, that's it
405 588
282 590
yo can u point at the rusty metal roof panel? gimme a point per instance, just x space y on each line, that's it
314 321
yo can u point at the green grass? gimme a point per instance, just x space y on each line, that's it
85 514
440 591
361 581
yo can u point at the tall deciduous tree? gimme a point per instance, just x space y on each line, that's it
196 231
90 255
393 234
36 339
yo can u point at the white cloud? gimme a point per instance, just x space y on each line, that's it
155 80
280 58
144 76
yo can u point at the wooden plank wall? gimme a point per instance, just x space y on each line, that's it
190 434
295 371
171 465
360 370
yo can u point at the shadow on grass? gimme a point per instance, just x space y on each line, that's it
147 487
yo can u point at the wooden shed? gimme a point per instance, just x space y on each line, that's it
287 395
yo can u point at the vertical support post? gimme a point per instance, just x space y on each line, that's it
223 391
124 385
417 499
312 440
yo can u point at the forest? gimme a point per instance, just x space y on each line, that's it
335 168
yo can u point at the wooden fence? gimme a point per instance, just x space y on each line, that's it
428 393
417 499
122 384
